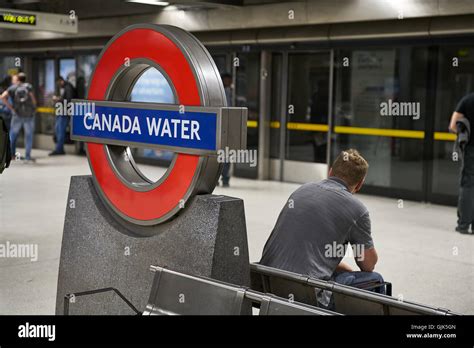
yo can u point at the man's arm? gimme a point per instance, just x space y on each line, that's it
343 267
454 119
368 260
4 97
33 99
360 236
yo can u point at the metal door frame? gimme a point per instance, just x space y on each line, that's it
432 89
284 107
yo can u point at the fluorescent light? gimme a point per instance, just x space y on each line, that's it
150 2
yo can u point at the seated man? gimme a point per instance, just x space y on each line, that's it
318 221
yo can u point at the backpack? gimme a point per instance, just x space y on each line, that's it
5 154
22 102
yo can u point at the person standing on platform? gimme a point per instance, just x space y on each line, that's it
67 93
462 121
23 108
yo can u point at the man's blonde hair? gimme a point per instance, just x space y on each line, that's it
350 166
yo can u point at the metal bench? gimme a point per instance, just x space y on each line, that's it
348 300
273 305
175 293
178 293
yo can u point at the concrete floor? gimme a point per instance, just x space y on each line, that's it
418 251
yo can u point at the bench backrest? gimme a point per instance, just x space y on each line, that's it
348 300
175 293
282 283
178 293
272 305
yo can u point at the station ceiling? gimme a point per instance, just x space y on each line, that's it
238 22
105 8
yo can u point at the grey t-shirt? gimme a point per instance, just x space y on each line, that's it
318 221
12 89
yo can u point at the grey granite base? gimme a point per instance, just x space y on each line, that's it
209 239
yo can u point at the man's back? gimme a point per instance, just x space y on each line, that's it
319 218
21 98
69 91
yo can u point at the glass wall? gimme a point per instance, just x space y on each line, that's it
46 83
67 70
247 95
85 68
308 101
275 106
45 87
380 101
221 63
455 79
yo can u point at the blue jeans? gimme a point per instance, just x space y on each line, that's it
354 279
60 130
357 278
226 173
28 124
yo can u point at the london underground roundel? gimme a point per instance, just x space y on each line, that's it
195 128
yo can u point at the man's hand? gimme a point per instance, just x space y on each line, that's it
343 267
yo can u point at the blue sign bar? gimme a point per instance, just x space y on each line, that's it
162 126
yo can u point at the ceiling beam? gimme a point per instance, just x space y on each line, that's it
211 3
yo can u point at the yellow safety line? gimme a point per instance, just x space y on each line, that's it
398 133
252 124
294 126
45 110
444 136
315 127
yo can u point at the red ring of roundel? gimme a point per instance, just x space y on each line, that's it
156 203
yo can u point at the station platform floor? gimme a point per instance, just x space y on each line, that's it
419 252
